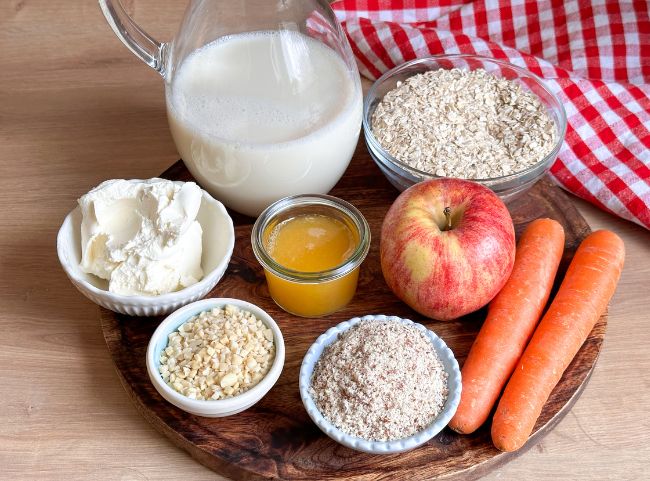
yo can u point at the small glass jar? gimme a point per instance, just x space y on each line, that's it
311 294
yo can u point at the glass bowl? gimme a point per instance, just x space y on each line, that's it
506 187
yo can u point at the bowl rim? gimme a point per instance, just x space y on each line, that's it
454 386
63 239
247 398
370 136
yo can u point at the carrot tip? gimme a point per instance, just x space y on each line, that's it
506 447
457 429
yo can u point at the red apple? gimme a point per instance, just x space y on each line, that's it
447 247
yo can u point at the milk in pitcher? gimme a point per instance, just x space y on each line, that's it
263 115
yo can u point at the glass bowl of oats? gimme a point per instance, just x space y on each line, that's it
463 116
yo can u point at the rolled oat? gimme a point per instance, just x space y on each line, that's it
466 124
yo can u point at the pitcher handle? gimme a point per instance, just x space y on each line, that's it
137 40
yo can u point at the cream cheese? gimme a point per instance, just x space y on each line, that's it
143 236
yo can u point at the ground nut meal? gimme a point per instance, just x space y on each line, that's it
217 354
380 381
466 124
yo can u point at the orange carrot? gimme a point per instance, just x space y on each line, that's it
583 296
511 320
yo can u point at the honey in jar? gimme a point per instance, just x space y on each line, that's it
311 248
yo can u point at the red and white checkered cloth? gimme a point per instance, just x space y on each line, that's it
594 54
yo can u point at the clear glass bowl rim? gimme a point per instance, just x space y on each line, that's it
370 137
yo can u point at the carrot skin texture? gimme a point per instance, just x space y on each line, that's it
511 320
588 286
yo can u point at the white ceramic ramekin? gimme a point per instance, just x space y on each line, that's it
381 447
222 407
218 244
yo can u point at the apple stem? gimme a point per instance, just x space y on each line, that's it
447 213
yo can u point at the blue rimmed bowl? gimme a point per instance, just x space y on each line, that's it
381 447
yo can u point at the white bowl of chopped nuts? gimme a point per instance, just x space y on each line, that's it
463 116
380 384
215 357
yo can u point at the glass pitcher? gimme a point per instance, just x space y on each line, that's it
263 97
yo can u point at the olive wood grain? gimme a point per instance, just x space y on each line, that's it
275 438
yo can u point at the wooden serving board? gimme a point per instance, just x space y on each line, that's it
275 438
